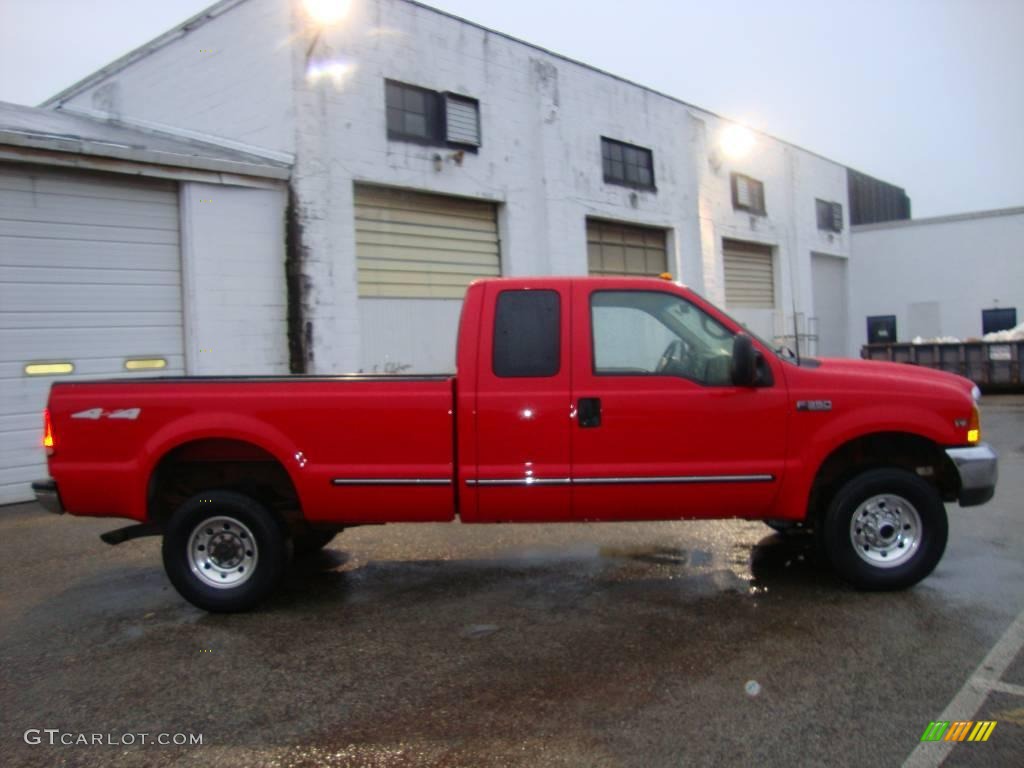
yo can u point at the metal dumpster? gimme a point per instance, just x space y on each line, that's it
992 365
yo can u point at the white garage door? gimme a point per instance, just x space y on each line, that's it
417 245
828 277
90 276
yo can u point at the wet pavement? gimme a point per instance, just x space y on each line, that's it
655 644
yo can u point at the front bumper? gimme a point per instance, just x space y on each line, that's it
978 466
48 496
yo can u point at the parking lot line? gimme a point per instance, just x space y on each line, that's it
968 700
1001 687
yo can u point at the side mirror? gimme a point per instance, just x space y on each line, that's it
744 361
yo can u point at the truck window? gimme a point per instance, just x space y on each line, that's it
651 333
526 334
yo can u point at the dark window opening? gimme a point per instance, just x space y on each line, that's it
830 216
747 194
882 329
428 117
626 164
998 319
527 326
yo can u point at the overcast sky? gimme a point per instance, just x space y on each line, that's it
927 94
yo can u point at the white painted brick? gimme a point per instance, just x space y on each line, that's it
541 117
241 91
235 298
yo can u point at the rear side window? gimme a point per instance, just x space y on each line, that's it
526 334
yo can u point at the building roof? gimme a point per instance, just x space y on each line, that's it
46 129
948 219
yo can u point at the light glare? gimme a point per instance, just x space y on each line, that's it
736 141
335 71
326 13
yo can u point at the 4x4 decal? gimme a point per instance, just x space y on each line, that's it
99 413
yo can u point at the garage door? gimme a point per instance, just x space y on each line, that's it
625 249
828 276
749 275
90 281
417 245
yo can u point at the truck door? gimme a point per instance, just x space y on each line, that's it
660 431
523 425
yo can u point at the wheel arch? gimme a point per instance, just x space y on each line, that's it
195 464
910 451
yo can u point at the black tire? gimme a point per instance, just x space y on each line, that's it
234 520
900 535
312 541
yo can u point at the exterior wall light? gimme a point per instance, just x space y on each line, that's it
736 141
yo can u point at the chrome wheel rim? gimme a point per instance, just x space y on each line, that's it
885 530
222 552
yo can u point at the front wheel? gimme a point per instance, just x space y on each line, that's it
885 529
224 552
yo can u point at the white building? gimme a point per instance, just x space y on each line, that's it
392 157
428 151
943 276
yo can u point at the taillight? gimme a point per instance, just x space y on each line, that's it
974 426
48 443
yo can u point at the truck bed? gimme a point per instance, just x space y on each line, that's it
357 448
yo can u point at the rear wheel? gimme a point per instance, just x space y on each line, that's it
885 529
224 552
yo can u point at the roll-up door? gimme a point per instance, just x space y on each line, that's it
418 245
90 282
749 275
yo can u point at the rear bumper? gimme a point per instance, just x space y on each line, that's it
978 466
48 496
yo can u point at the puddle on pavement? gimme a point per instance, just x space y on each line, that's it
772 564
656 555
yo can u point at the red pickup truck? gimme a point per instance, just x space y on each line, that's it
576 399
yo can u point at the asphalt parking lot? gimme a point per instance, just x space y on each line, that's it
669 644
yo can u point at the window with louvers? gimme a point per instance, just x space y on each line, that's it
463 120
747 194
830 216
423 116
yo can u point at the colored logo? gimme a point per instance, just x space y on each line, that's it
958 730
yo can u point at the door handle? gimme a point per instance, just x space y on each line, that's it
588 412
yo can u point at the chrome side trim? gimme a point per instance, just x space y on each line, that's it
682 479
523 481
390 481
